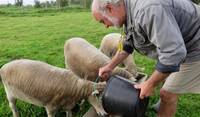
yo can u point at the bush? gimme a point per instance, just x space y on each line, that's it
62 3
37 4
196 1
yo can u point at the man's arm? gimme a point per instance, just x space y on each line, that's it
105 71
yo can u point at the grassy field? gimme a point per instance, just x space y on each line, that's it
40 34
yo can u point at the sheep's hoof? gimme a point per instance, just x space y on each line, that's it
95 92
102 113
133 79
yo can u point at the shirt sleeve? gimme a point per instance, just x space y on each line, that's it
127 45
163 31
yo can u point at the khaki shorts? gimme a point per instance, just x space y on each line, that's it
187 80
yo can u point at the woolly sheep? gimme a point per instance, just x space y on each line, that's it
109 46
85 60
44 85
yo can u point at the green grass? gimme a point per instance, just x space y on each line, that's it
41 33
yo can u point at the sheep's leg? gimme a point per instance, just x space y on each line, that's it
50 112
97 105
90 113
81 104
68 113
12 104
68 109
12 101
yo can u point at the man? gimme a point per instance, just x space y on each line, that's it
168 30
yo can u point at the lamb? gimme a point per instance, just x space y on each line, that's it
85 60
109 46
44 85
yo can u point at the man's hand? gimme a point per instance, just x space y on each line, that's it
104 72
146 89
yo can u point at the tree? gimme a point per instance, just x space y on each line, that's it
18 2
196 1
62 3
37 4
86 3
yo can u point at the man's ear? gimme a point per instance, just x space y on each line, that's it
109 8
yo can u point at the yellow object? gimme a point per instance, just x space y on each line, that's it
120 45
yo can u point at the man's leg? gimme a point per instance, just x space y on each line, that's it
168 104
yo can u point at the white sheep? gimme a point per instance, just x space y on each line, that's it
109 46
44 85
85 60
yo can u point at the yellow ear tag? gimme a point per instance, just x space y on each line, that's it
120 46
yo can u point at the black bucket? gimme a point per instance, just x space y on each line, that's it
121 98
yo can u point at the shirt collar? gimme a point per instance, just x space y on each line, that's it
129 8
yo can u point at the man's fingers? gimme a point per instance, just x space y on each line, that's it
104 76
100 73
141 96
137 86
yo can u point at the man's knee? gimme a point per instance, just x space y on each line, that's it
167 96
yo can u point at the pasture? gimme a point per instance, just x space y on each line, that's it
40 34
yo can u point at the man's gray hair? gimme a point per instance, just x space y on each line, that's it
99 5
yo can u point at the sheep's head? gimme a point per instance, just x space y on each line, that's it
95 100
98 87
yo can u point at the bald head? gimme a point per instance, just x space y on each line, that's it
109 12
100 5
